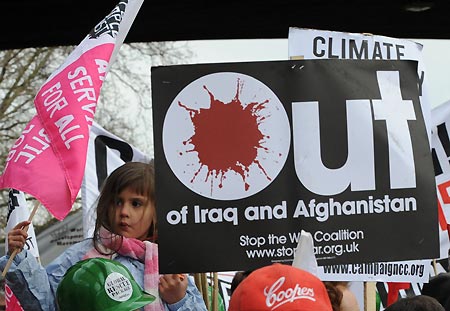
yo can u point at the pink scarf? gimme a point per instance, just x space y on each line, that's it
144 251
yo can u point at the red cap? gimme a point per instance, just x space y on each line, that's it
280 287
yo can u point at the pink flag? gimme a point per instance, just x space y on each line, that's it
12 304
32 167
66 105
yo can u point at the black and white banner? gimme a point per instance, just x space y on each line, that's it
106 152
440 143
256 152
319 44
18 211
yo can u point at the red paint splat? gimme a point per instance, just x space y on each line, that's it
227 137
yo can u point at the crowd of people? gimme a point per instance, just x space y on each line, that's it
117 269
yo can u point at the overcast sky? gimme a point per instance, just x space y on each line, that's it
436 56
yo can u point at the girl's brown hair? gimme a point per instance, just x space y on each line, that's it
138 176
335 294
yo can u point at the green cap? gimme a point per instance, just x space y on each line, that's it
99 284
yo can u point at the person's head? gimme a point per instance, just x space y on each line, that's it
126 205
416 303
100 284
438 287
238 278
281 287
447 304
341 297
335 295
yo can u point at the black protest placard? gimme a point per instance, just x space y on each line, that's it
249 154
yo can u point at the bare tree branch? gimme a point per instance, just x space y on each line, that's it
124 107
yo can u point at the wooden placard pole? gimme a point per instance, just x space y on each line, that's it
215 292
370 301
16 251
198 282
204 285
435 267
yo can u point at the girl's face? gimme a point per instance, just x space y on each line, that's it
134 214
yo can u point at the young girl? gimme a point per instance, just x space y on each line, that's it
125 231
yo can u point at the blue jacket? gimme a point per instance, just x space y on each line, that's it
35 286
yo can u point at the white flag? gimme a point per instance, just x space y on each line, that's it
106 152
18 211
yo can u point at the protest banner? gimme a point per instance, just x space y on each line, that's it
320 44
47 161
106 152
359 155
18 211
50 155
440 143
